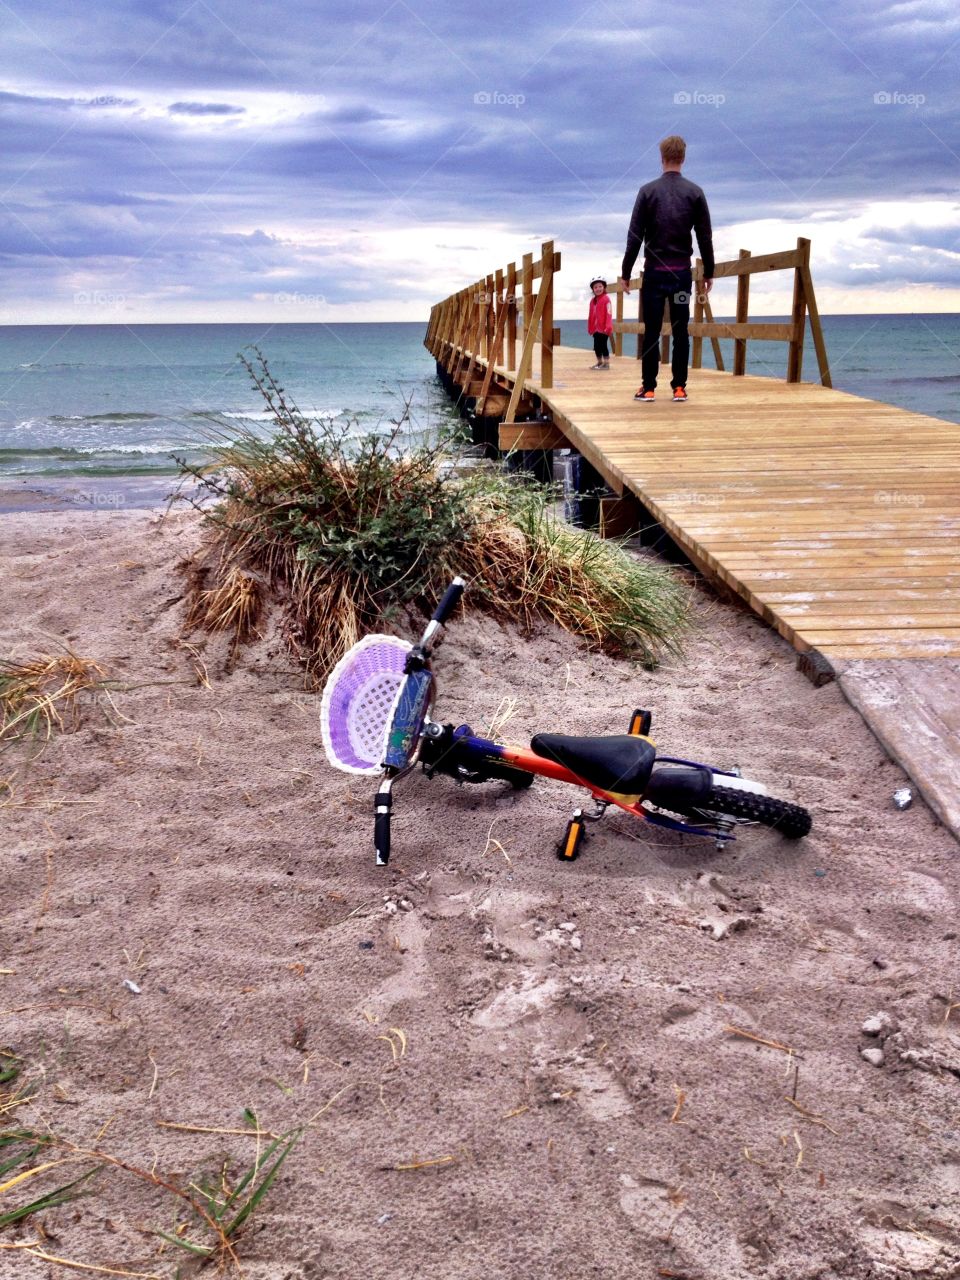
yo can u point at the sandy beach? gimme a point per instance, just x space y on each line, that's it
510 1067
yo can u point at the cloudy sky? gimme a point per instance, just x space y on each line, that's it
202 160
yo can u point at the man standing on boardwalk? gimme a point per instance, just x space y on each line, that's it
664 214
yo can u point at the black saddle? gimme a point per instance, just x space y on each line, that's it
621 762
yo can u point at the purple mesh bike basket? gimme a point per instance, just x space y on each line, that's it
358 700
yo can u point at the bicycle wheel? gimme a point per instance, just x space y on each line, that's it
791 820
699 794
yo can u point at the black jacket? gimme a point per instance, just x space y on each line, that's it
664 214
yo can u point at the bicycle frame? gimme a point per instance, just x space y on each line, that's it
483 750
476 752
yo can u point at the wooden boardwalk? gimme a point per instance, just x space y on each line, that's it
836 518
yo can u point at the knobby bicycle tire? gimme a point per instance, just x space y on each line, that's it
791 820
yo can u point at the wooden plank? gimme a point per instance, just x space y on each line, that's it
714 342
779 261
531 435
815 327
757 329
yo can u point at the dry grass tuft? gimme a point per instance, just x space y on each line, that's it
39 697
234 604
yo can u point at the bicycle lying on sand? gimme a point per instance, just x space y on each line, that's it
375 720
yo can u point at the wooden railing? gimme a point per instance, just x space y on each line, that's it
490 318
741 329
487 320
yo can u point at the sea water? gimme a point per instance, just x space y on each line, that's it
88 411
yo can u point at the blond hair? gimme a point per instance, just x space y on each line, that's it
673 150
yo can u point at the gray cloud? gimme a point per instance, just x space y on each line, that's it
427 117
204 109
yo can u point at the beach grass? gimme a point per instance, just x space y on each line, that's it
347 530
39 696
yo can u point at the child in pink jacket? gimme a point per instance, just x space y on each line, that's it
600 322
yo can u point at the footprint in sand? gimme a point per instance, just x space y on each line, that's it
412 981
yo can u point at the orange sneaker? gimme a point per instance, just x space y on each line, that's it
679 395
645 397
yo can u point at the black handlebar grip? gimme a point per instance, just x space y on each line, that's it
451 598
381 828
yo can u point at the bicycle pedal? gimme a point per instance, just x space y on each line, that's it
569 847
640 723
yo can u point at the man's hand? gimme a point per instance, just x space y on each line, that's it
708 285
626 285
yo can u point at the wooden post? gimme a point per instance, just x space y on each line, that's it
497 356
799 314
450 332
438 331
546 314
743 314
527 292
618 337
698 288
458 350
461 332
428 341
488 319
510 354
457 333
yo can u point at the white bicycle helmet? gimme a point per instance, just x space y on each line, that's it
598 280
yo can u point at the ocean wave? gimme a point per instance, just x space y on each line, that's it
104 451
104 417
266 416
52 364
97 469
941 379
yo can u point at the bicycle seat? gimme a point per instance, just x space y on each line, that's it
620 763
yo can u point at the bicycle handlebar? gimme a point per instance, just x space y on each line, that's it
451 598
381 825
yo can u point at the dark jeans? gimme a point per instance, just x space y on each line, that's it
600 349
659 288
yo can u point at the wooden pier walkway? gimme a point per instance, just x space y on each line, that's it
835 518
